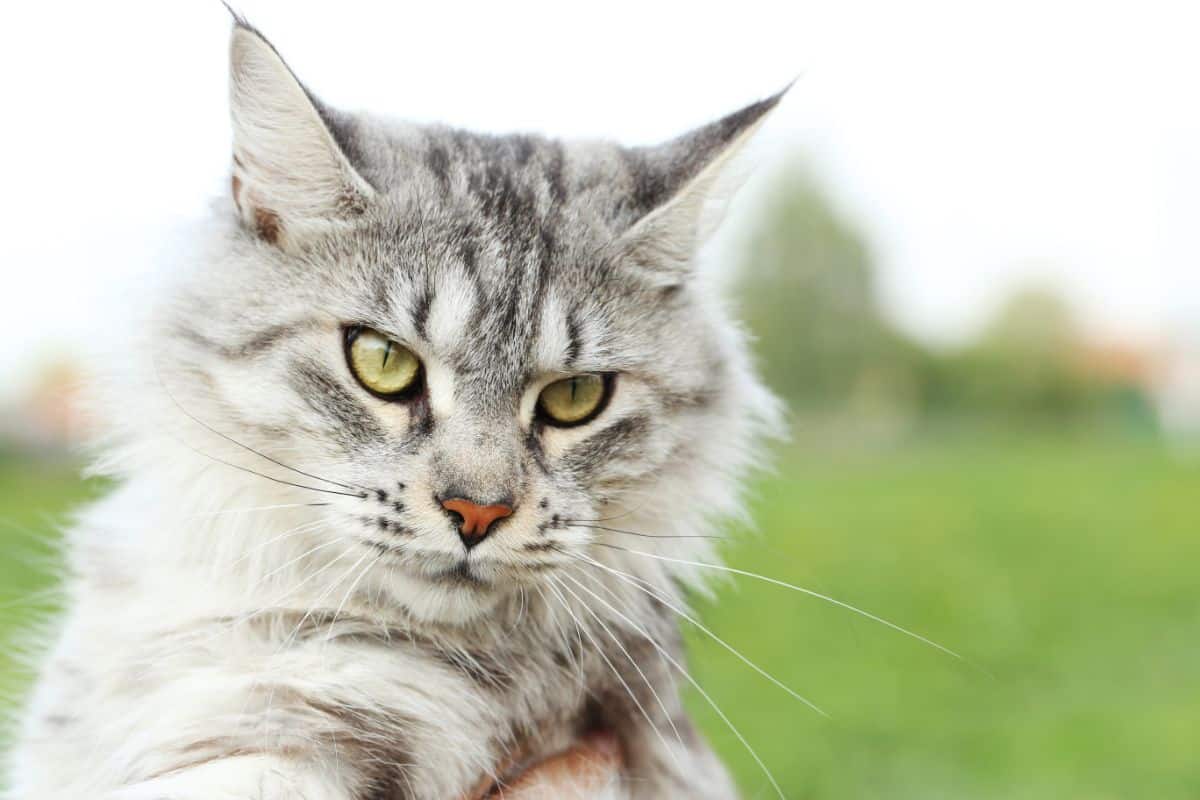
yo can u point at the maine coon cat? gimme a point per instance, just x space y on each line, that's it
409 466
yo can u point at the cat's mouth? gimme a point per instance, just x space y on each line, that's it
463 573
473 572
466 572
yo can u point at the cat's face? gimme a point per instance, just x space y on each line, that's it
486 346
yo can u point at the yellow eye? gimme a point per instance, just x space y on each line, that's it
380 364
573 401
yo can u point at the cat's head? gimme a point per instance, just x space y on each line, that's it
491 348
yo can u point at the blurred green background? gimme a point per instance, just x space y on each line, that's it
1020 499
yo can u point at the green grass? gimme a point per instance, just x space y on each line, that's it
1064 570
34 500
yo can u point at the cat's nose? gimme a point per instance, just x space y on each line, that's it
474 520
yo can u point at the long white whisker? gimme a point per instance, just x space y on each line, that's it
616 673
243 618
298 530
346 597
562 634
658 596
359 494
712 703
166 389
300 557
225 511
633 661
578 625
312 606
620 645
793 587
616 598
319 599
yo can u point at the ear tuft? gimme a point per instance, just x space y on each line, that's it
689 199
289 173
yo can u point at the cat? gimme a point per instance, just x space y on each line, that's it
410 469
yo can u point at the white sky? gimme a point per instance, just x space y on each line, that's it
978 146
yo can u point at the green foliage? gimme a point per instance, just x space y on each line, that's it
1023 363
807 291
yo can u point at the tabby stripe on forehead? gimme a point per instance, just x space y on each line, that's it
554 175
420 311
574 341
329 398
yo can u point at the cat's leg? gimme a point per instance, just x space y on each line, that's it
239 715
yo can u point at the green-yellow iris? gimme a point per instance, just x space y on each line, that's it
382 365
572 400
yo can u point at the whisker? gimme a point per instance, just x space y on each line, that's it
276 507
554 586
298 530
298 558
37 538
625 513
708 699
229 625
616 598
242 445
524 600
362 573
577 524
617 641
562 635
358 495
639 584
795 588
36 597
290 638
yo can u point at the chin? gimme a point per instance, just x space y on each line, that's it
448 594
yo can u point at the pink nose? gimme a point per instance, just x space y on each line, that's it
476 519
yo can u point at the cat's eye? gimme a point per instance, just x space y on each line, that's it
574 400
383 366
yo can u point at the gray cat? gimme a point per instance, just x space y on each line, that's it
414 463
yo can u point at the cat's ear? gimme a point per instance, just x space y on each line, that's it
686 184
290 175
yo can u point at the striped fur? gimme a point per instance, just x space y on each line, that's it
271 604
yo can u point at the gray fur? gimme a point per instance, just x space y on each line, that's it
219 668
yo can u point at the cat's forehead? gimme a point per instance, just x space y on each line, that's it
505 301
493 249
512 194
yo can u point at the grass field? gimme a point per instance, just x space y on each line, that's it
1064 570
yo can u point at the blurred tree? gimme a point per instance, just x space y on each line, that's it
807 292
1025 363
